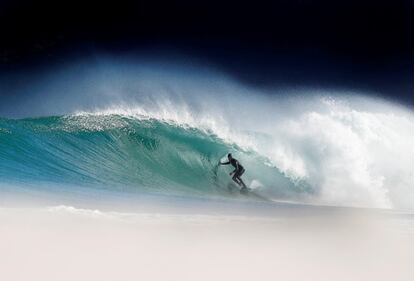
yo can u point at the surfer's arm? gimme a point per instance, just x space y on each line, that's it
224 163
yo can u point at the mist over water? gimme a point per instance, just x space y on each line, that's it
322 147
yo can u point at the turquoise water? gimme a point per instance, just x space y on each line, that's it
115 152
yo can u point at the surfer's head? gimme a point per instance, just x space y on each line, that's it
229 156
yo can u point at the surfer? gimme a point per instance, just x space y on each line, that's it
238 171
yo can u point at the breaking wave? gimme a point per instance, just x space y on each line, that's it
324 148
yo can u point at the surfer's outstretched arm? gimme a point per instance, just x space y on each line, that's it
224 163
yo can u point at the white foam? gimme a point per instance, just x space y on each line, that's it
255 184
155 218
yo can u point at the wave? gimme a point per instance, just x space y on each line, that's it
127 126
335 154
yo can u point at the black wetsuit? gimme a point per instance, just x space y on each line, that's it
238 172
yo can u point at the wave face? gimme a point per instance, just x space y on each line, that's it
118 152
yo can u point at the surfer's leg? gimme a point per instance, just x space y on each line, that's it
242 183
238 175
235 179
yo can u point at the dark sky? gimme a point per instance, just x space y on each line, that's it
350 44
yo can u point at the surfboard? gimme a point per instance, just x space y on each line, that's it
251 193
